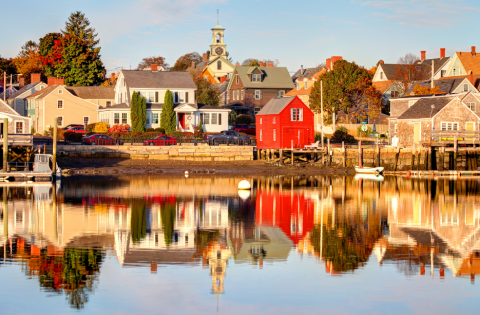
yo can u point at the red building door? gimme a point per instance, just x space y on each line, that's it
181 119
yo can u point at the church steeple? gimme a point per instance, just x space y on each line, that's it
218 47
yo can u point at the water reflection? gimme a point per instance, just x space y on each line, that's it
62 235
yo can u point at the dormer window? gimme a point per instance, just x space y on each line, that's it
306 85
256 78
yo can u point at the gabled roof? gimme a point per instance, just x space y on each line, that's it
302 90
275 105
423 107
221 87
158 79
446 85
470 62
273 77
201 65
24 89
304 73
382 86
388 70
6 109
92 92
438 63
42 93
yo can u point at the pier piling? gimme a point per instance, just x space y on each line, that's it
5 144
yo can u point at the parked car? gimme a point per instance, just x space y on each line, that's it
228 136
78 130
248 129
101 140
67 128
161 140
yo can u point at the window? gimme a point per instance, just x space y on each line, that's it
395 128
108 103
274 120
257 109
144 95
219 65
219 119
186 97
86 120
206 119
60 121
19 127
261 135
454 72
394 94
155 118
236 78
465 88
410 103
381 75
175 97
214 118
148 119
181 97
443 73
261 121
471 106
449 126
306 85
151 97
274 135
116 118
281 93
124 118
60 91
296 114
60 104
297 85
242 94
258 94
256 78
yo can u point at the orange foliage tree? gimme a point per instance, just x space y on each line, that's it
28 61
425 90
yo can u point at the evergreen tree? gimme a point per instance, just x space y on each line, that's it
133 111
167 119
200 126
78 25
168 222
142 109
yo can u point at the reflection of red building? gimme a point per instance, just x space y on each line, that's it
290 211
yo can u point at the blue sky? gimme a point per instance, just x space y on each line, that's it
294 32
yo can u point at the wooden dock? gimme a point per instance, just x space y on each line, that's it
26 176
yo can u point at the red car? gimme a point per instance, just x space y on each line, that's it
161 140
248 129
101 140
78 130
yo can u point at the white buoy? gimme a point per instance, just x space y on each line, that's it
186 174
244 185
244 194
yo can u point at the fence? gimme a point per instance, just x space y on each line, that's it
352 128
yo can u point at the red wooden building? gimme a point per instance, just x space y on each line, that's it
282 120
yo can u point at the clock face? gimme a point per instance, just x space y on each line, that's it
219 51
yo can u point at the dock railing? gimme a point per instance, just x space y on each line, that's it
18 139
451 136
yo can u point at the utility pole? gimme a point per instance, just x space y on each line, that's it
321 107
4 85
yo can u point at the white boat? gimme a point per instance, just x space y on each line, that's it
369 170
372 177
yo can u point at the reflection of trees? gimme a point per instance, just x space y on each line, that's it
139 221
168 222
74 272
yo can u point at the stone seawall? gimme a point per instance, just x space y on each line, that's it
184 152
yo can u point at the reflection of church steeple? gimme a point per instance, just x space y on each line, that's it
217 261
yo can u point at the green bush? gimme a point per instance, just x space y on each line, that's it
90 128
149 129
160 129
243 119
341 135
361 133
176 134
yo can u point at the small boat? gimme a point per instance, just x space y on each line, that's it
371 177
369 170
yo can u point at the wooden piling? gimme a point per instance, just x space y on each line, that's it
413 158
428 159
5 212
268 154
55 126
360 160
441 159
343 154
378 155
329 159
455 148
419 155
281 156
5 144
397 154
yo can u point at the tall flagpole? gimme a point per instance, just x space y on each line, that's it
321 107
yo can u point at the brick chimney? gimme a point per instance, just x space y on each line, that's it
423 54
154 67
269 63
381 62
35 77
112 76
442 52
237 64
21 83
470 77
205 56
261 63
59 81
223 79
335 59
205 62
328 64
51 81
193 65
474 52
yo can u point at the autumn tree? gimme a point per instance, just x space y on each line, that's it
152 60
28 60
185 61
70 57
168 119
408 70
6 65
112 80
425 90
207 93
256 62
79 26
347 88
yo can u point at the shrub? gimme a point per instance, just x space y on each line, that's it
188 135
200 127
119 128
90 128
160 129
361 133
101 127
197 133
243 119
149 129
341 135
32 130
72 136
176 134
60 132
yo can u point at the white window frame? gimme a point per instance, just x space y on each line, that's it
470 105
119 120
23 126
62 104
273 121
261 135
261 121
61 123
214 119
274 135
148 118
465 87
296 114
306 85
257 95
151 97
448 125
126 118
297 85
206 118
60 91
181 97
394 128
155 119
108 103
88 120
242 94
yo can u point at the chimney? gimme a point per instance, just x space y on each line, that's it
261 63
470 77
269 63
35 77
442 52
21 83
193 65
335 59
112 76
301 69
237 64
381 62
205 56
474 52
154 67
59 81
223 79
328 64
205 62
423 53
51 81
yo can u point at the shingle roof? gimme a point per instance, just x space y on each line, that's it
446 85
470 62
304 73
423 107
221 87
24 89
201 65
5 108
437 63
382 86
275 105
158 79
92 92
388 70
42 93
273 77
203 106
476 79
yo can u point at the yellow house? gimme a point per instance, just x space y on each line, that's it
62 102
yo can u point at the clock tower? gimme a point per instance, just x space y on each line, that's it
218 48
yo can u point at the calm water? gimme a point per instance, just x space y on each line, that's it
302 245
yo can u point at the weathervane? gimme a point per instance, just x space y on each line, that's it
218 19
